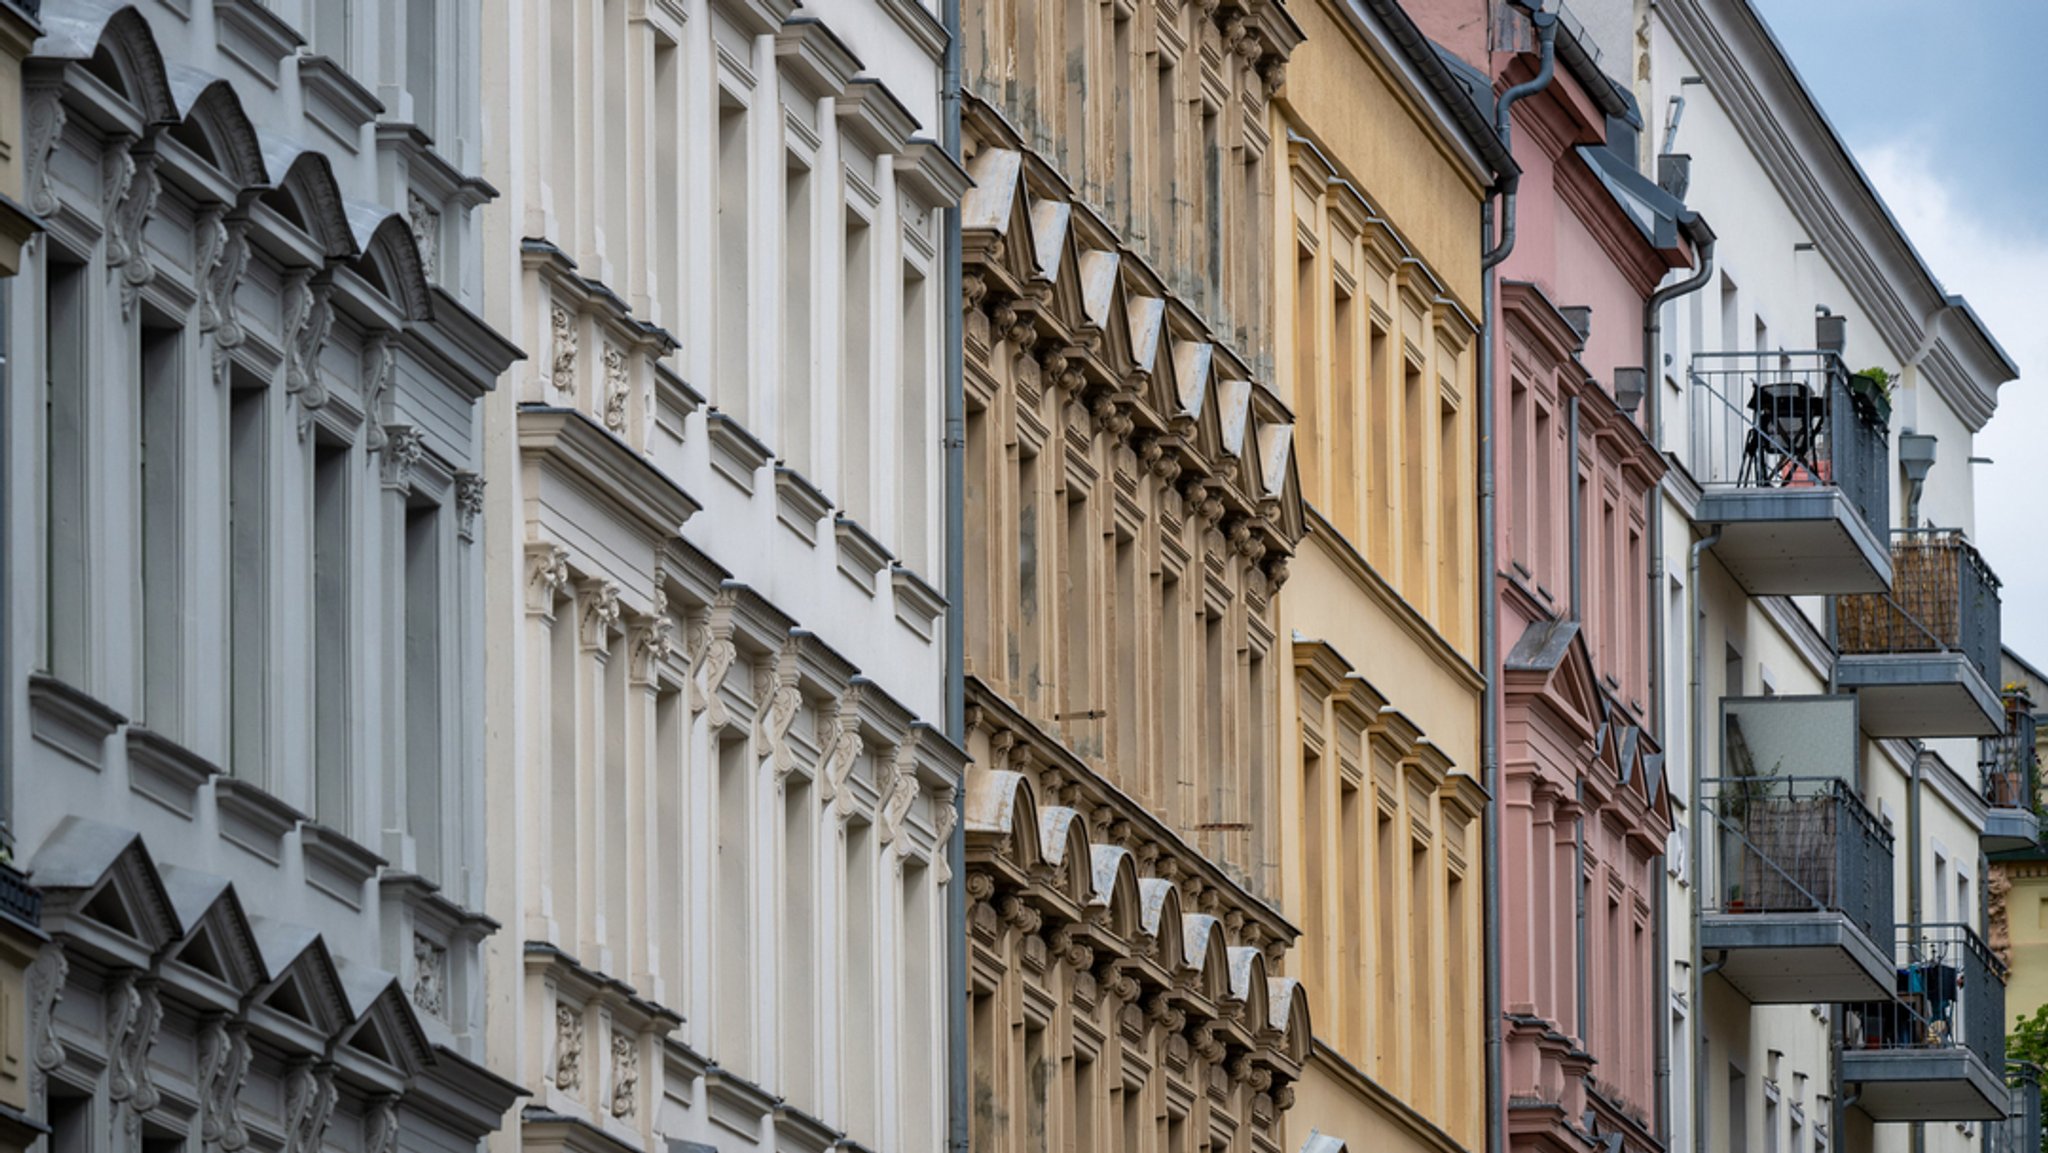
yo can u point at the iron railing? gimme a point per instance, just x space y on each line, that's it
1798 845
1944 598
2020 1131
1950 993
1773 420
2007 766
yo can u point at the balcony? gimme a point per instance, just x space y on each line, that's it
2009 771
2020 1131
1923 658
1791 465
1797 873
1934 1049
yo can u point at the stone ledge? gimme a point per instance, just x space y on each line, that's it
71 720
167 772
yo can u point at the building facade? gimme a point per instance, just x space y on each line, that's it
243 680
720 804
1831 639
1381 828
1132 473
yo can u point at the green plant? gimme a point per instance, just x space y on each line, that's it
2027 1042
1881 379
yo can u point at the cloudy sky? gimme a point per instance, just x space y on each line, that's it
1942 105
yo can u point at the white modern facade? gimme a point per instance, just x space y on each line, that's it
719 805
1813 656
245 610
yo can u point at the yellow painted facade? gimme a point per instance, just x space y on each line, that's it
1376 290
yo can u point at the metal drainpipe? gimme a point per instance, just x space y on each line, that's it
1693 813
1578 590
1489 619
1653 396
1918 1134
955 447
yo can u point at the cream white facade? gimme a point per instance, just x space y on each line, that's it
1813 237
719 805
246 580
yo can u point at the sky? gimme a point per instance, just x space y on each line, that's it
1942 105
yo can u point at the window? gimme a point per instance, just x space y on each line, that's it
563 807
734 961
563 128
333 572
331 20
1030 625
798 960
1078 693
1073 95
1221 764
797 284
913 990
1421 912
423 686
611 818
915 435
1351 975
1386 948
1166 198
672 783
729 388
1342 453
1315 936
1126 708
160 498
423 62
1167 798
248 578
1450 553
1738 1110
858 1024
667 215
66 429
856 395
1415 436
1380 417
1318 460
615 169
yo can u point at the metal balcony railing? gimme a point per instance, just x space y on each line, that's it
1767 420
1944 598
1950 994
1798 845
2020 1132
2007 765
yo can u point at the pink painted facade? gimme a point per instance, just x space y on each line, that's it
1583 812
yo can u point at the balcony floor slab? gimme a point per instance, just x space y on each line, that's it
1795 958
1795 541
1951 1084
1935 694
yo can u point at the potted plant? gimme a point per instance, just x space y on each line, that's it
1735 904
1871 391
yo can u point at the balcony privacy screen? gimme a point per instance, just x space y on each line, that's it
1950 993
2007 764
1944 598
1799 845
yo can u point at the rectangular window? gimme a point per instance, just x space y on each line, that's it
248 579
563 808
1380 417
734 954
980 655
856 352
729 389
612 816
1037 1085
1029 669
1386 949
1351 976
423 686
1074 91
1317 460
1254 792
1221 766
616 170
798 279
1450 533
1212 210
1169 799
669 288
1126 708
1315 896
1084 1102
672 780
1542 506
1421 971
913 991
160 498
1457 971
1415 436
916 436
66 554
1078 693
1738 1110
563 126
331 21
1342 453
798 961
857 985
1167 198
423 63
333 570
1123 110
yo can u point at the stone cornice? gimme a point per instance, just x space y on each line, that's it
1828 192
567 437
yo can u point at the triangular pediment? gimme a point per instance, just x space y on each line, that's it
218 941
307 989
1551 661
386 1030
102 889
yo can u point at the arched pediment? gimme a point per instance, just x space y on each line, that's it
1248 983
1000 803
1116 888
1159 904
117 45
305 192
390 258
1063 839
212 122
1323 1143
1206 954
1287 1011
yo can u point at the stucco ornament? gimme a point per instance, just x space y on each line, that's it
840 737
425 222
652 642
219 279
469 503
562 366
134 1014
45 988
132 191
945 818
547 574
616 390
309 1099
597 604
223 1065
404 447
625 1073
44 128
429 979
568 1049
380 368
712 654
901 796
380 1126
308 317
784 701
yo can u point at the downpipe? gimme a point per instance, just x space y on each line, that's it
1695 856
1491 256
1653 397
955 449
